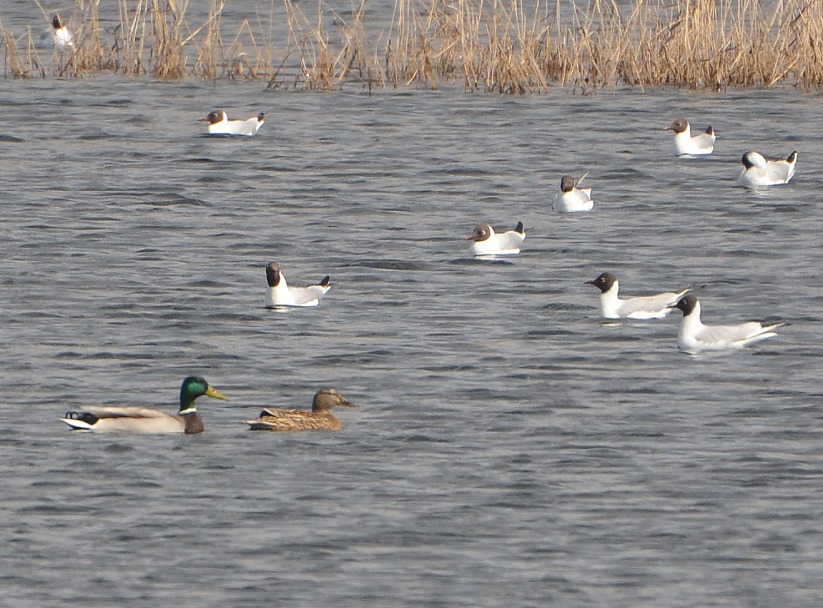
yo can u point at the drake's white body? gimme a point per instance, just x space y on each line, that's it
685 144
760 171
486 242
129 420
220 124
571 199
655 306
279 292
694 336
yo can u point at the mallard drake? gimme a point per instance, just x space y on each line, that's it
106 419
317 419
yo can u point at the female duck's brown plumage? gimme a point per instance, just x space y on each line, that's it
317 419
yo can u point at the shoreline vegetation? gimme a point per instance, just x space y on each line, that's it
502 46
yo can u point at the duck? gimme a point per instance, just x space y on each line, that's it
655 306
761 171
107 419
571 199
486 242
279 294
317 419
220 124
694 336
686 145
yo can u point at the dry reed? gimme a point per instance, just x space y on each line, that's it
504 46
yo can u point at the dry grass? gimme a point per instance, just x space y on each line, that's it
503 46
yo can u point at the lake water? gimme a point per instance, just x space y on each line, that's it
509 449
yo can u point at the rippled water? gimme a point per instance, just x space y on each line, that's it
509 449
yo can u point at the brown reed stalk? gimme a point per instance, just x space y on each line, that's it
210 50
126 51
168 60
12 60
485 45
88 54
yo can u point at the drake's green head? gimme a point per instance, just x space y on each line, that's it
194 387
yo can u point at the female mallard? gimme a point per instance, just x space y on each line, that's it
147 420
317 419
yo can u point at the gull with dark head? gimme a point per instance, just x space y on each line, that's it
220 124
684 144
280 294
571 199
761 171
487 242
654 306
695 336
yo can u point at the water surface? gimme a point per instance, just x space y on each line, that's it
509 449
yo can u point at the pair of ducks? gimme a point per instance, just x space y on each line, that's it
188 420
757 169
694 336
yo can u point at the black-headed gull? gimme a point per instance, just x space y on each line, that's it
695 337
58 36
571 199
684 143
280 294
761 171
486 242
654 306
220 124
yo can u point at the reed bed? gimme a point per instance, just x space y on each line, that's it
504 46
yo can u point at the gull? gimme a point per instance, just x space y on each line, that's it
571 199
220 124
685 144
486 242
760 171
279 294
695 336
640 307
